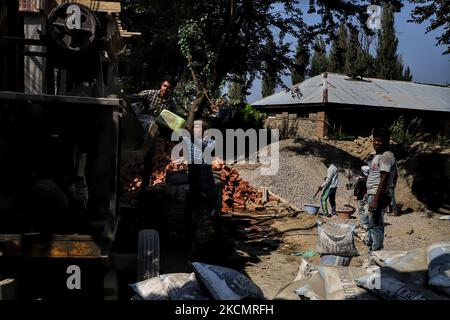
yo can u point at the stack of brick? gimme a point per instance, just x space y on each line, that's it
237 194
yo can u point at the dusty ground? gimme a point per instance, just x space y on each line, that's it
272 265
274 269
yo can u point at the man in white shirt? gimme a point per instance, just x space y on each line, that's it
329 187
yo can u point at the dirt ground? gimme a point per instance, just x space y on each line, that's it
271 263
273 266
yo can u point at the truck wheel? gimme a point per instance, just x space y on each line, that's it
148 255
111 285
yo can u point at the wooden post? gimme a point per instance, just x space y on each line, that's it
265 195
100 85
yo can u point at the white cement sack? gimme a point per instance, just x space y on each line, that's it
336 239
438 258
410 268
305 271
172 286
191 291
226 284
387 284
288 291
382 257
340 283
151 289
173 282
330 260
390 288
313 289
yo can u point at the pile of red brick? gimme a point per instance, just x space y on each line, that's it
237 194
161 162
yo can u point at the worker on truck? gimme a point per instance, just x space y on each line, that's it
154 101
381 176
329 187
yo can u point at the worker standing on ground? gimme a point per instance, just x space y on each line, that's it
381 177
329 187
393 208
203 193
360 195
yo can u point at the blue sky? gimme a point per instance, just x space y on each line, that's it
418 50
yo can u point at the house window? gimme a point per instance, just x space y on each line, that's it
303 115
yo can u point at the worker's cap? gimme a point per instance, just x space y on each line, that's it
365 170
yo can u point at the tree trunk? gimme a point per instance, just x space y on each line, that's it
196 110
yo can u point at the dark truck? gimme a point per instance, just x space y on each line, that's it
64 231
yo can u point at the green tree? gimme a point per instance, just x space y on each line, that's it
389 64
339 51
269 82
356 62
301 63
439 13
154 54
319 61
209 40
235 91
407 76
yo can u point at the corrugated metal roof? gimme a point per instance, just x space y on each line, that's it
366 92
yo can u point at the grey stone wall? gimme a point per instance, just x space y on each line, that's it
294 125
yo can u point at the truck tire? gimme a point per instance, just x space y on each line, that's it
111 285
148 255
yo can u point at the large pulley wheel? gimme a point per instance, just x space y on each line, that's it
72 27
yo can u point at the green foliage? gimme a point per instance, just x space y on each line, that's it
389 63
155 53
337 60
248 117
198 51
319 62
407 76
270 73
441 140
438 12
405 134
356 62
301 63
235 94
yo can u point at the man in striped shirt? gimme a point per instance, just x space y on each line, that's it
203 192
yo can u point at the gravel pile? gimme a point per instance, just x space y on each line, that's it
298 177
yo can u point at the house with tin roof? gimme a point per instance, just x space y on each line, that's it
335 104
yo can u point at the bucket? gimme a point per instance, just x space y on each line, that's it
311 209
344 213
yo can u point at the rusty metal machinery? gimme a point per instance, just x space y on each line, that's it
73 28
75 41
